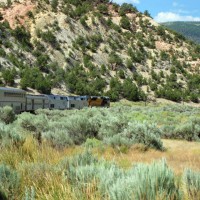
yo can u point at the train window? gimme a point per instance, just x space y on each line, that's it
13 94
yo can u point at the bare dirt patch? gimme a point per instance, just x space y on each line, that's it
17 13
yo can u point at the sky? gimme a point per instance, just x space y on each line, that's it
168 10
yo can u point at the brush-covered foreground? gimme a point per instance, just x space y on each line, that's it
123 152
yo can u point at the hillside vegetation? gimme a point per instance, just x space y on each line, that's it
89 154
94 48
190 30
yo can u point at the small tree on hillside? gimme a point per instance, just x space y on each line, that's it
115 60
9 76
125 23
146 12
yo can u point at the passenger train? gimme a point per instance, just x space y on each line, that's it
20 101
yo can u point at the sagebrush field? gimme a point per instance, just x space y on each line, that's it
123 152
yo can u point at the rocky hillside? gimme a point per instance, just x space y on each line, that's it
94 47
190 30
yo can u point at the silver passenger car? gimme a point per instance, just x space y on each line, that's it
81 102
34 102
57 102
16 98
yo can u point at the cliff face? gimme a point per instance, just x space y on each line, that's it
93 47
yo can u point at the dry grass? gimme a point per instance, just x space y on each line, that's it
179 155
36 165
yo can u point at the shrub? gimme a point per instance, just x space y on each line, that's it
9 77
144 133
112 126
83 21
155 181
9 183
103 8
7 115
49 37
190 131
121 74
58 138
92 143
10 136
54 5
130 90
125 23
80 128
127 8
135 133
22 36
192 180
115 59
34 124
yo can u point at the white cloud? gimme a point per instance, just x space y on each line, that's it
127 1
170 16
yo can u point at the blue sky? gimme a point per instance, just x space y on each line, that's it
168 10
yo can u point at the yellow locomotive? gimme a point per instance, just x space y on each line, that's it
98 101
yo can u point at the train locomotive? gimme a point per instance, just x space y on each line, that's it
20 101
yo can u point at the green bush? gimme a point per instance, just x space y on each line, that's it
7 114
58 138
10 136
33 123
189 131
192 180
127 8
9 183
54 5
103 8
21 34
9 77
125 23
49 37
121 74
155 181
80 128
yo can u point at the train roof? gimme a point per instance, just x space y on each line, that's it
36 96
100 97
11 90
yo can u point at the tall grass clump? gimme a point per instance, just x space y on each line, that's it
9 183
192 181
7 114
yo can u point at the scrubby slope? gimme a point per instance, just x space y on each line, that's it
95 47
